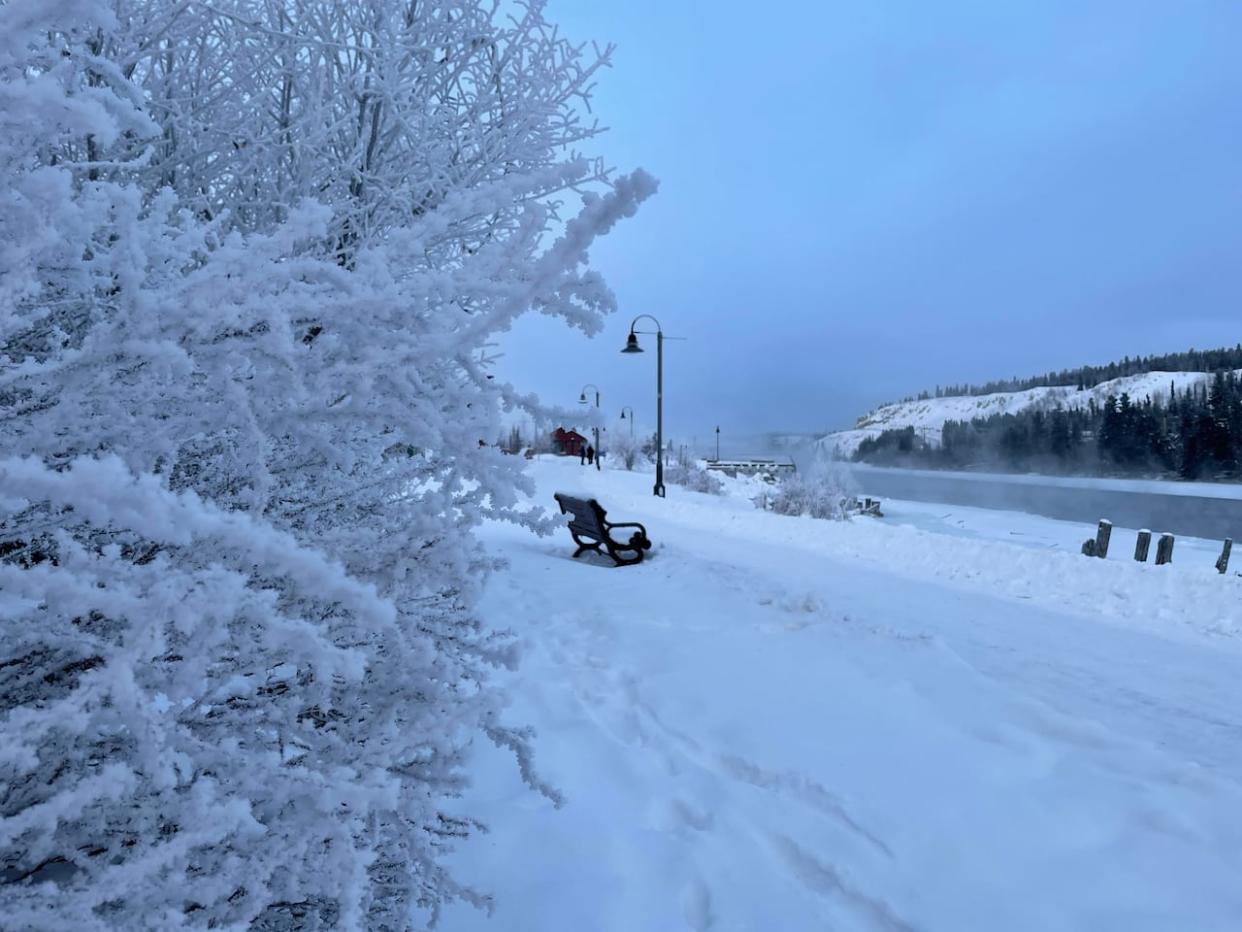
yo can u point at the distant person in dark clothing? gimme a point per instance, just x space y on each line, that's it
582 450
590 455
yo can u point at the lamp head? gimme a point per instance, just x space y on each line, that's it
631 344
582 398
623 414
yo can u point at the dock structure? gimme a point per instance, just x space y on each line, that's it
769 469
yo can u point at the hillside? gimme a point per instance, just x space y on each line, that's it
928 416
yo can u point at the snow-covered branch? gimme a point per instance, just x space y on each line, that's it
250 254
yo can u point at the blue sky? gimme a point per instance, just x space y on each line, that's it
862 200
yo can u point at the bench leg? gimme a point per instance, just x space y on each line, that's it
585 545
613 549
626 561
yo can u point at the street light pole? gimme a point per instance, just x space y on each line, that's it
631 419
582 399
659 481
717 444
631 346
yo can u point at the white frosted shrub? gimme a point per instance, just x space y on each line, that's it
200 715
623 447
240 402
693 477
821 492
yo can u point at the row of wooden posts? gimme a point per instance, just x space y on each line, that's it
1164 546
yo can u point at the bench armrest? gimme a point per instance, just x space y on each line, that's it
609 526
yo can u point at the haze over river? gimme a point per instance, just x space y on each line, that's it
1208 510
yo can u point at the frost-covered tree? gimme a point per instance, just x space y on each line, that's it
823 490
694 477
240 421
624 446
384 108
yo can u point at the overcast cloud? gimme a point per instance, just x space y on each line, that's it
862 200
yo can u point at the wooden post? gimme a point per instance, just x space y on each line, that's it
1222 565
1142 546
1102 535
1164 550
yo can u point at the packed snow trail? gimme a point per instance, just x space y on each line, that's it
779 723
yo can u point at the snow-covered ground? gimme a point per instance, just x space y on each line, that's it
928 416
1036 533
946 719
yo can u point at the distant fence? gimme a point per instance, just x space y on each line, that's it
768 468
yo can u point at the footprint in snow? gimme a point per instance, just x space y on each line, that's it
696 906
675 815
802 788
808 604
824 879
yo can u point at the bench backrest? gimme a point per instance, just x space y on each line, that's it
588 516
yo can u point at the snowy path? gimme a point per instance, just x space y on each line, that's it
784 724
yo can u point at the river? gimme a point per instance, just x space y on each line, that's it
1196 510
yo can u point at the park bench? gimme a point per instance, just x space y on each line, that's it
591 530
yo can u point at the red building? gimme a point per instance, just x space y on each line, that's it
568 442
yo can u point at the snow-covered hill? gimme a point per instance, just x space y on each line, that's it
928 417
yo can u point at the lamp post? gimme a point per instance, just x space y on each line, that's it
631 419
717 444
582 399
631 346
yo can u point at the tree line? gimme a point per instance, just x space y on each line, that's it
1084 377
1192 434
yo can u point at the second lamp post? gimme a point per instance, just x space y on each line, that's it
631 346
582 399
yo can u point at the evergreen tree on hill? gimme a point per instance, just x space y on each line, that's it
1084 377
1196 434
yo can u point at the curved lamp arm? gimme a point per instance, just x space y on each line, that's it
634 323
